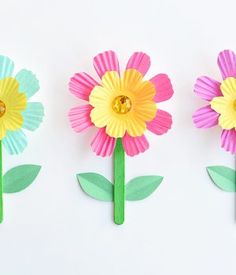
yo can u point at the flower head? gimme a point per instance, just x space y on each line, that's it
221 109
15 110
121 106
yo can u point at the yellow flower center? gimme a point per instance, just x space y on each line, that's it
121 104
2 108
234 105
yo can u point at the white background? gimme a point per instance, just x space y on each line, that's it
188 226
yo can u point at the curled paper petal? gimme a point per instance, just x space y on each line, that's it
161 123
102 144
163 87
80 118
134 145
228 140
15 142
106 61
207 88
227 63
33 115
28 82
81 85
205 117
140 62
6 67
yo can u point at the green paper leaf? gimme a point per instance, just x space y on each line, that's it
223 177
20 177
96 186
141 187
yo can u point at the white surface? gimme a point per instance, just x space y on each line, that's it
188 226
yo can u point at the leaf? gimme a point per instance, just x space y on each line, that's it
19 177
96 186
141 187
223 177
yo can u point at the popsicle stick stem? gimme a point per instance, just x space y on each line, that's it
1 188
119 182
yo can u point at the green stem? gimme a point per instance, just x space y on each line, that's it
1 180
119 182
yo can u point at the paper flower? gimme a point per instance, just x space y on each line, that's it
220 110
122 107
16 113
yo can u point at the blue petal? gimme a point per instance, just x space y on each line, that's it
6 66
33 115
15 142
29 84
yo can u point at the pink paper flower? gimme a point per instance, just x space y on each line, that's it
120 106
221 109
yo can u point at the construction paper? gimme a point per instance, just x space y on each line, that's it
96 186
119 183
141 187
20 177
223 177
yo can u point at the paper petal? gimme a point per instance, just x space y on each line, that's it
207 88
15 142
134 145
161 123
6 67
106 61
29 84
81 85
33 115
205 117
80 118
227 63
163 87
228 140
140 62
102 144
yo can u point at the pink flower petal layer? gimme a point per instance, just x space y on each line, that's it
207 88
140 62
134 145
81 85
102 144
80 118
205 117
228 140
161 123
105 62
227 63
163 87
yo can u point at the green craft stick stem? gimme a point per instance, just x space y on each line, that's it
119 182
1 180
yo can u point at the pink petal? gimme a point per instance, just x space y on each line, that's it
205 117
227 63
102 144
134 145
163 87
207 88
81 85
80 118
139 61
105 62
228 140
161 123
